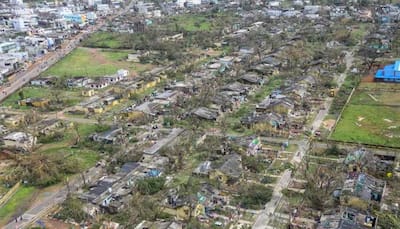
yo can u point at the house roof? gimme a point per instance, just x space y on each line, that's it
203 168
251 78
232 166
109 134
18 136
129 166
206 113
221 99
273 118
348 218
236 86
101 186
271 61
162 142
148 108
391 71
48 122
166 95
158 225
365 187
269 103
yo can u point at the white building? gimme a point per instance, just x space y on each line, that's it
19 140
103 7
91 3
8 47
19 24
16 2
123 73
181 3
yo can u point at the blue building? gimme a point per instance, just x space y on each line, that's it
390 73
75 18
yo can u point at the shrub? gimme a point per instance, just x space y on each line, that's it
253 196
71 209
150 186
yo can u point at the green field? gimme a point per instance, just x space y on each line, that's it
191 23
90 63
70 97
104 40
18 202
371 117
87 157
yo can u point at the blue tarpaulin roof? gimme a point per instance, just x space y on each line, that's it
389 72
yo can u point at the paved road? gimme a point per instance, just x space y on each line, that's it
265 216
41 65
42 208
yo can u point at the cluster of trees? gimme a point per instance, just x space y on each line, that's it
254 164
42 169
150 186
321 182
253 196
352 81
72 208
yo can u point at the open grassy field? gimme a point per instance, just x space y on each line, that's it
87 157
104 40
190 22
372 116
92 63
71 97
16 204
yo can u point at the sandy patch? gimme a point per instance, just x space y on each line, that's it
329 123
52 223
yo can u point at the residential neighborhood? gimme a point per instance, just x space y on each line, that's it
199 114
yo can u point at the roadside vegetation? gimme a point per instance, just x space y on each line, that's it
17 204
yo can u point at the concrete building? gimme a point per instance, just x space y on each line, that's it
16 2
19 24
8 47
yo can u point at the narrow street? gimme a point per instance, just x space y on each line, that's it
265 216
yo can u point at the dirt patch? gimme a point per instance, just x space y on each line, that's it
329 123
45 193
97 56
368 79
52 223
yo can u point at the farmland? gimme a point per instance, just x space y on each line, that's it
371 117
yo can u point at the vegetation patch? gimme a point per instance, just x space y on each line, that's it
190 22
106 40
150 186
17 202
71 210
253 196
